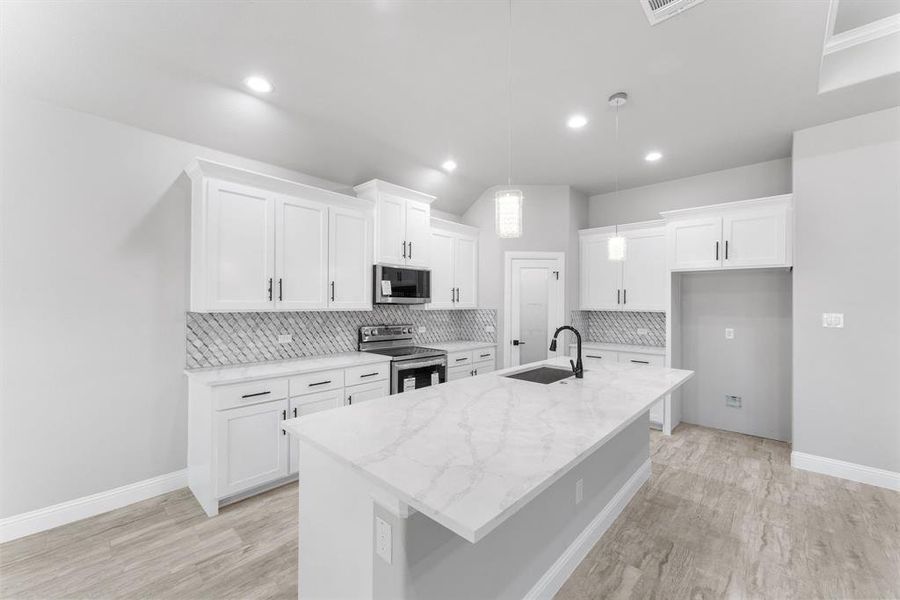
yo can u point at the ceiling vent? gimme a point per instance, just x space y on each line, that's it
660 10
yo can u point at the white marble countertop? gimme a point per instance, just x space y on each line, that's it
660 350
470 453
460 346
283 368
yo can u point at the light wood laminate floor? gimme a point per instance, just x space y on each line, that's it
724 515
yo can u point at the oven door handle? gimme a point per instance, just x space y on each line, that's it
403 365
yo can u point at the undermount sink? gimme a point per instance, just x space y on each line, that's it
543 375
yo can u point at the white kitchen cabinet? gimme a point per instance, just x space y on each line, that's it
636 283
301 254
734 235
460 372
367 391
261 243
307 405
469 363
252 447
349 260
454 266
402 223
240 235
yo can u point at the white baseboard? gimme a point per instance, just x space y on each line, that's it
42 519
562 569
846 470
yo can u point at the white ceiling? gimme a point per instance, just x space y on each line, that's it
856 13
390 89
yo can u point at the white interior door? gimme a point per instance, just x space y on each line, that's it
241 247
601 278
390 229
755 238
301 251
535 307
644 271
442 267
349 260
418 234
466 270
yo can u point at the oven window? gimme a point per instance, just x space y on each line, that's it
407 283
413 379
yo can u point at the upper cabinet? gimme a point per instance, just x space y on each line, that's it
262 243
402 223
454 265
733 235
636 283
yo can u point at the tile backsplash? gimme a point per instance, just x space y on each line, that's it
619 327
217 339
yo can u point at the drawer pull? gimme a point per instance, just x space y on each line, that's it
255 395
593 356
484 355
641 362
319 383
369 375
462 359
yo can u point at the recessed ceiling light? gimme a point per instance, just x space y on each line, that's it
653 156
577 121
259 84
449 165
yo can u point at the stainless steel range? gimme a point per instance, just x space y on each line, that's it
412 367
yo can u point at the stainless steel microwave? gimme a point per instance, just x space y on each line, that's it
401 285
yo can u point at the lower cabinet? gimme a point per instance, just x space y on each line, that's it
252 448
367 391
307 405
470 363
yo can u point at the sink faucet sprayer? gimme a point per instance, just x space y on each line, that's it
577 367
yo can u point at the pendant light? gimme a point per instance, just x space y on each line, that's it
508 201
616 245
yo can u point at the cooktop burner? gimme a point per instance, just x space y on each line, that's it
407 352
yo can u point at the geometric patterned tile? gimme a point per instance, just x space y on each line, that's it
620 327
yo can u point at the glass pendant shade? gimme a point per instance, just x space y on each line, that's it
616 248
508 217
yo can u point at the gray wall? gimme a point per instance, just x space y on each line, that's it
847 259
94 293
755 365
551 216
644 203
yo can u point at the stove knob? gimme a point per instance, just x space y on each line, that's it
408 330
374 331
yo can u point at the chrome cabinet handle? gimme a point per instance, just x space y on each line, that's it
726 249
618 296
624 296
295 412
283 418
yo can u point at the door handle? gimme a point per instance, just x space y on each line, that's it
717 250
726 249
295 412
332 291
404 249
618 296
624 296
283 418
270 288
518 343
457 294
349 399
280 290
452 294
410 250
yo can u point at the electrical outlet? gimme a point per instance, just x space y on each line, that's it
642 331
733 401
832 319
383 539
421 329
285 338
729 333
489 329
579 491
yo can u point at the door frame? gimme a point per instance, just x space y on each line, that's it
508 258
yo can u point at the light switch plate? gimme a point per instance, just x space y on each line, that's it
729 333
832 319
383 539
285 338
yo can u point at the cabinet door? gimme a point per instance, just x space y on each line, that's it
240 247
349 260
390 230
695 244
252 448
443 293
418 234
601 278
644 272
301 254
466 269
307 405
454 373
485 366
755 238
367 391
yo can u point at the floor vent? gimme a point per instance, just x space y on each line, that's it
660 10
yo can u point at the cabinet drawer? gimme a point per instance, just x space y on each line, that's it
251 392
483 354
367 373
485 366
458 359
317 382
653 360
593 353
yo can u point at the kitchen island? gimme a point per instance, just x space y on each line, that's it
487 487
